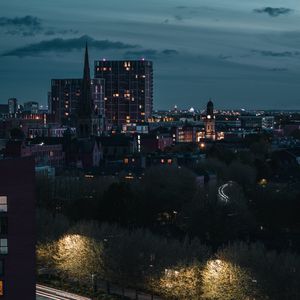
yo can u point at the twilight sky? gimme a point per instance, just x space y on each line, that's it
243 54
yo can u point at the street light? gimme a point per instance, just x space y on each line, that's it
94 283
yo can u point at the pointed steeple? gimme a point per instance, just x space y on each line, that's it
210 107
87 123
85 107
86 70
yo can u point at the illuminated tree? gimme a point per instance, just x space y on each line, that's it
78 256
222 280
276 275
179 282
45 253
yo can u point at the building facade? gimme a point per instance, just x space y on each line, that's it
79 102
210 121
31 107
128 90
12 106
17 229
65 97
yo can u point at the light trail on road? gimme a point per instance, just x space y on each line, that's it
221 192
54 294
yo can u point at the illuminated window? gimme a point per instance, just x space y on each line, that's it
3 204
3 246
1 288
126 161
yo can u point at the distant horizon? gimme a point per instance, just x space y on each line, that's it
181 108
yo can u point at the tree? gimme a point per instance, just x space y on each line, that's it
180 282
17 134
244 175
78 256
163 191
223 280
49 226
274 275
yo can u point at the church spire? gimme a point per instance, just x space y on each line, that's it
87 123
86 70
85 105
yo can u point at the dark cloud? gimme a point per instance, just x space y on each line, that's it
224 57
28 21
61 32
278 69
150 53
26 26
276 54
170 52
65 45
178 18
273 11
30 26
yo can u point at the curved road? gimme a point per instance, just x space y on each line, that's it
223 196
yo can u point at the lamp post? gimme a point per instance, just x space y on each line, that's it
152 260
94 283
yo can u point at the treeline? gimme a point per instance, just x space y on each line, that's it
151 232
168 201
174 269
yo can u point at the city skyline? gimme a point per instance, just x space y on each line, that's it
243 55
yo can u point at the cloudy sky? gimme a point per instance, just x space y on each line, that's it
241 53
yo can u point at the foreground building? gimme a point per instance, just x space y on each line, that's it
17 229
128 90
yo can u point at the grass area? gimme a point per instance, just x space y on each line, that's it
77 289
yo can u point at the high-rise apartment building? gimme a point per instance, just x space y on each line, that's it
31 107
17 229
128 90
12 106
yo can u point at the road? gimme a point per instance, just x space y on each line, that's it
222 192
46 293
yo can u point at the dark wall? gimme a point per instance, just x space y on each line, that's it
17 182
